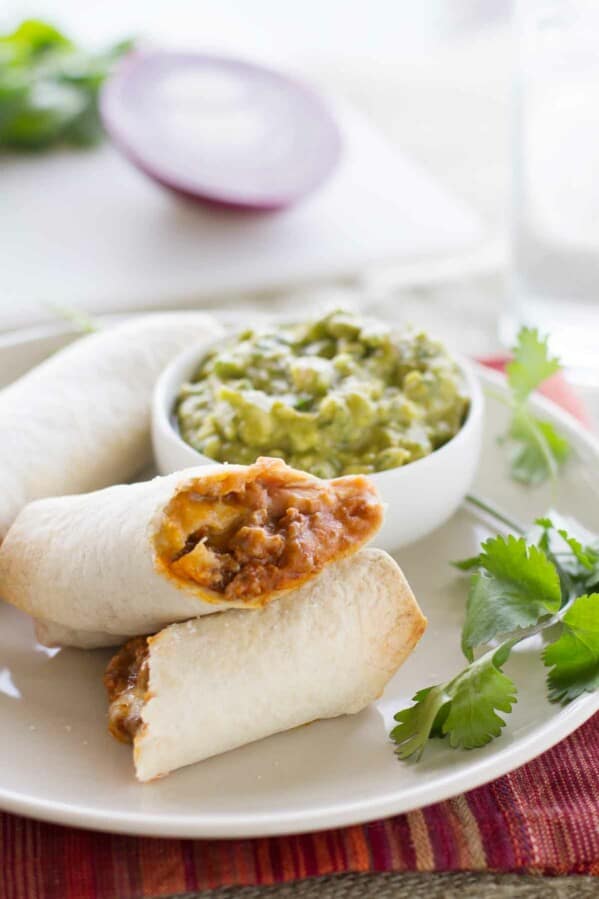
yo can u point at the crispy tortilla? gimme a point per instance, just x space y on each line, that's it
209 685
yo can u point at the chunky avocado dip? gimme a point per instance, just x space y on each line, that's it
340 395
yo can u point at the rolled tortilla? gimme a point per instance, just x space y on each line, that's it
209 685
98 568
81 420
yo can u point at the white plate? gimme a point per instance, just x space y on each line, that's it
57 761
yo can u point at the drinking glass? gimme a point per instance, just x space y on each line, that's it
555 273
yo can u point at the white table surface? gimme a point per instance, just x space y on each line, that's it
414 89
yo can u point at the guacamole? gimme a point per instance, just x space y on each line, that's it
340 395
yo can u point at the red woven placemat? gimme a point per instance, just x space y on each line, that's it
542 817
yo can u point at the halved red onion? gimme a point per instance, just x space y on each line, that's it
220 130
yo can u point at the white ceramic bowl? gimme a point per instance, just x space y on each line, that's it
419 496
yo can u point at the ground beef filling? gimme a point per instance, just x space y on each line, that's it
274 529
126 682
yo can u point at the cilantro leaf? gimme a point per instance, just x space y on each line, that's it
539 450
477 694
516 586
464 709
531 364
416 723
574 657
467 564
573 550
586 556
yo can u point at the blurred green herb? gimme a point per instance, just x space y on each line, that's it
538 449
49 88
81 321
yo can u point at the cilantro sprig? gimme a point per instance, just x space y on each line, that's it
538 450
545 582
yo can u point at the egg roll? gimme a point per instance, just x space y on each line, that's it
81 420
97 568
205 686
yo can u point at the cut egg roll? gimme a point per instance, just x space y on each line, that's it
205 686
81 420
97 568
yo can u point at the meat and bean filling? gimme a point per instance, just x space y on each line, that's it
126 682
265 529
